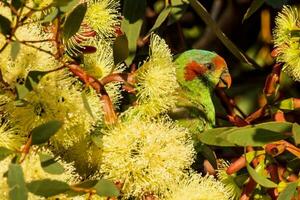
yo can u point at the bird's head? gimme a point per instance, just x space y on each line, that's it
195 65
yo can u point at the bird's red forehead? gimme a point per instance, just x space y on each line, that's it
193 70
219 62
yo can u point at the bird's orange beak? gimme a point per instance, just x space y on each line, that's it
225 80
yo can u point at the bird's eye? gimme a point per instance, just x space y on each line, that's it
209 66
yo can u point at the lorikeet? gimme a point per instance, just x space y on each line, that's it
198 72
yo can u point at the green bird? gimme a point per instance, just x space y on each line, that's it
198 73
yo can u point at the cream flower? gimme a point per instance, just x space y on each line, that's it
103 17
9 137
156 81
56 98
287 40
196 187
146 156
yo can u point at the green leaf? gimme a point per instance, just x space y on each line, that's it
259 179
47 187
86 104
4 152
51 16
287 104
16 183
205 16
33 78
276 3
255 5
106 188
289 191
15 48
65 5
74 20
17 4
296 133
42 133
120 49
161 18
178 9
50 165
217 137
5 25
22 91
260 134
133 12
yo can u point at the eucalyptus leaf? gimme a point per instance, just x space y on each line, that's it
133 12
296 133
217 137
33 78
16 183
50 165
42 133
51 16
47 187
65 5
161 18
259 179
106 188
4 152
5 25
74 20
120 49
15 48
255 5
22 91
289 191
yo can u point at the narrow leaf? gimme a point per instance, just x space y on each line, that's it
296 133
22 91
65 5
74 20
5 25
51 16
4 152
50 165
260 134
16 183
120 49
255 5
289 191
133 12
106 188
42 133
161 18
217 137
33 78
205 16
86 104
47 187
259 179
15 48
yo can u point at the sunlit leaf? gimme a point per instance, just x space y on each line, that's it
259 179
133 12
50 165
16 183
217 137
296 133
4 152
161 18
106 188
47 187
289 191
15 48
74 20
42 133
